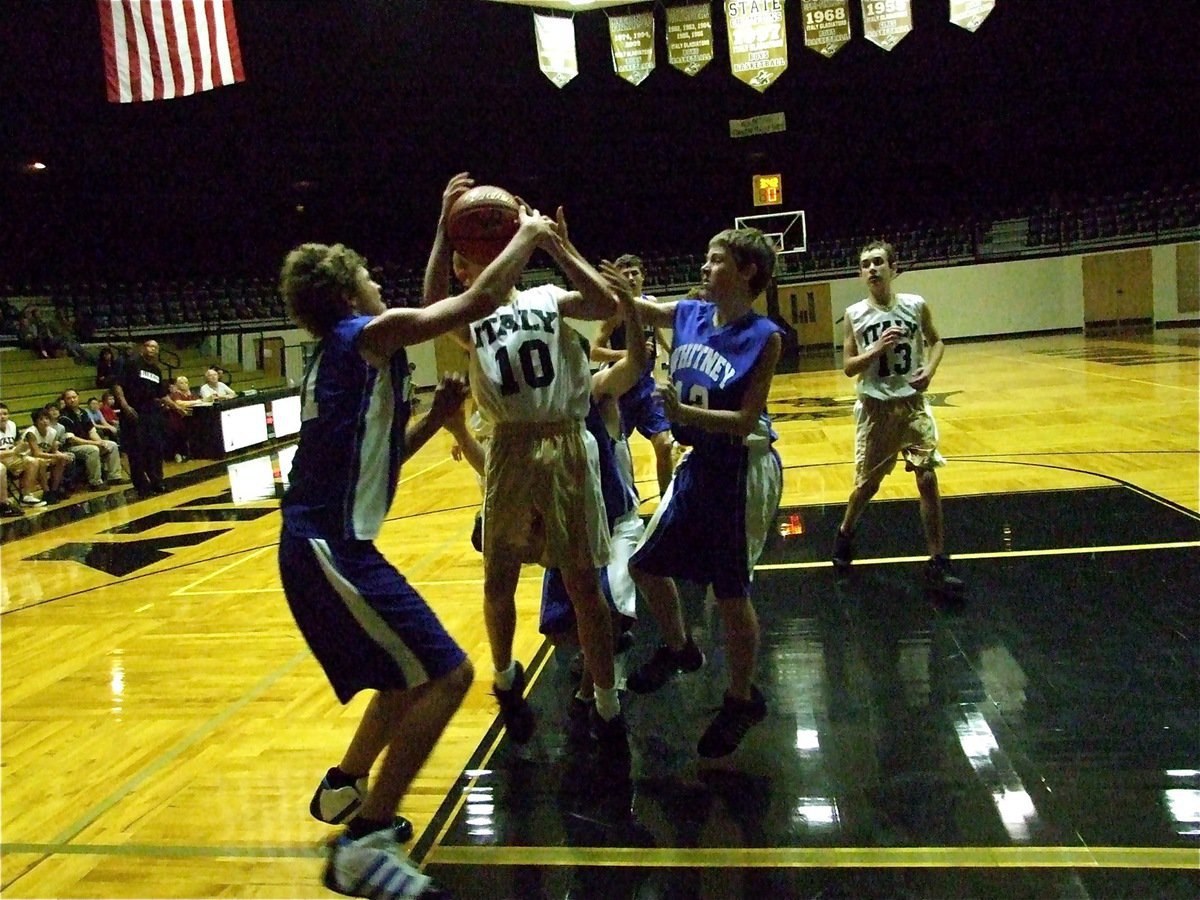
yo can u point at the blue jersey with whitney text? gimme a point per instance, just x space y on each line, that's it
711 365
353 417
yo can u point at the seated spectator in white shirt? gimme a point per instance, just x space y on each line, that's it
41 443
16 461
214 388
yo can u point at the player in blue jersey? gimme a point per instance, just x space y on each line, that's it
711 525
892 349
365 624
641 406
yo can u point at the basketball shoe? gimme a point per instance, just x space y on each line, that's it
732 721
374 866
338 805
515 710
663 665
843 552
940 579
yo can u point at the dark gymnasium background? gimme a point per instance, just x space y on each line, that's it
359 110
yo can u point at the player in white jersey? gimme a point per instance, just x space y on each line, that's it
893 347
542 497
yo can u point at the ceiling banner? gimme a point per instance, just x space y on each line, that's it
826 25
689 37
886 22
969 14
632 39
556 47
757 41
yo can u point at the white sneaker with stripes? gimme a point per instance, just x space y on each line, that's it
375 866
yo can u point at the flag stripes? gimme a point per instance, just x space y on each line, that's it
161 49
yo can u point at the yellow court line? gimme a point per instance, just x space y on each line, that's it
187 588
1053 551
824 857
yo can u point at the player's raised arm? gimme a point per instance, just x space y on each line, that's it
615 380
437 268
396 328
591 298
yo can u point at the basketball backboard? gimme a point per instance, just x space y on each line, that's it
788 230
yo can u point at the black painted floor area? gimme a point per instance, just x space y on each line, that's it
1041 740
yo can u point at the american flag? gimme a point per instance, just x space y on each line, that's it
159 49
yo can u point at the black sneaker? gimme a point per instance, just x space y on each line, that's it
843 552
734 719
608 731
940 579
336 806
579 722
515 710
665 663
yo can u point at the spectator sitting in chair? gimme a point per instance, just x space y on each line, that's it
88 448
8 505
41 443
177 426
13 458
106 368
214 388
96 414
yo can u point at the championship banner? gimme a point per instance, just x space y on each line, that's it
826 25
689 37
886 22
632 39
757 41
969 14
556 48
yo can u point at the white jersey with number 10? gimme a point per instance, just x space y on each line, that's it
527 364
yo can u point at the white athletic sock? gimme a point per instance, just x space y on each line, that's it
607 703
504 680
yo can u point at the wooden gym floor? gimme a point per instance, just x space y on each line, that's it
164 725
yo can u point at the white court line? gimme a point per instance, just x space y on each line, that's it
1005 554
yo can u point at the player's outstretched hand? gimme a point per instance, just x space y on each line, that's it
617 283
457 186
529 219
448 397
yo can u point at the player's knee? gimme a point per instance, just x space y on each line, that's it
868 489
458 681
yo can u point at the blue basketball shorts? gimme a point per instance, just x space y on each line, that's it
642 409
713 522
365 624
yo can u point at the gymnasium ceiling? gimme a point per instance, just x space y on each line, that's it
359 110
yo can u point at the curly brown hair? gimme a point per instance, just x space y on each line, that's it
318 282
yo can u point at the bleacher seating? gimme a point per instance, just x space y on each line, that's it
29 382
122 310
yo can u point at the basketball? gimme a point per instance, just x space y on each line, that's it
482 222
